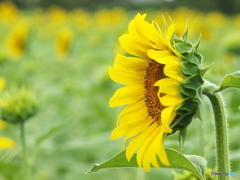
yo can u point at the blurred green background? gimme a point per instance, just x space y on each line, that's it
62 49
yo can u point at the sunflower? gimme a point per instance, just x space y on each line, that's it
63 43
157 78
16 41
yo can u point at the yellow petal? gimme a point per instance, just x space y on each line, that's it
129 128
136 142
169 32
146 161
120 131
170 90
136 33
154 160
163 156
168 100
130 63
132 47
152 39
138 128
159 42
142 152
173 71
169 35
167 116
155 148
168 86
134 78
135 116
166 81
159 148
155 38
127 95
132 107
162 57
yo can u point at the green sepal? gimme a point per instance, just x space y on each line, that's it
188 105
189 68
204 70
181 137
190 87
182 120
183 47
198 114
186 92
199 57
176 39
185 34
193 57
198 97
230 81
192 163
193 82
198 42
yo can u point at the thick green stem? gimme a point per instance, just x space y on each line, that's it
221 134
24 153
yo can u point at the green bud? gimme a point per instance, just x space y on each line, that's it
18 105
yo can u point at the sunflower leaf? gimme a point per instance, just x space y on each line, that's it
199 162
230 81
192 163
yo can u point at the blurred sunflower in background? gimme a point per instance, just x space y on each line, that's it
16 41
63 43
8 12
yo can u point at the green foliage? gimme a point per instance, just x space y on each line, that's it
52 131
9 168
195 164
230 81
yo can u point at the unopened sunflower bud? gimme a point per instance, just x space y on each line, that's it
18 105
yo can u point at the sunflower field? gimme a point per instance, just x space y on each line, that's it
63 57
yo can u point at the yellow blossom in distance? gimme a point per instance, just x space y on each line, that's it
63 43
16 41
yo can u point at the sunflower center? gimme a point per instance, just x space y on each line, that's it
154 72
